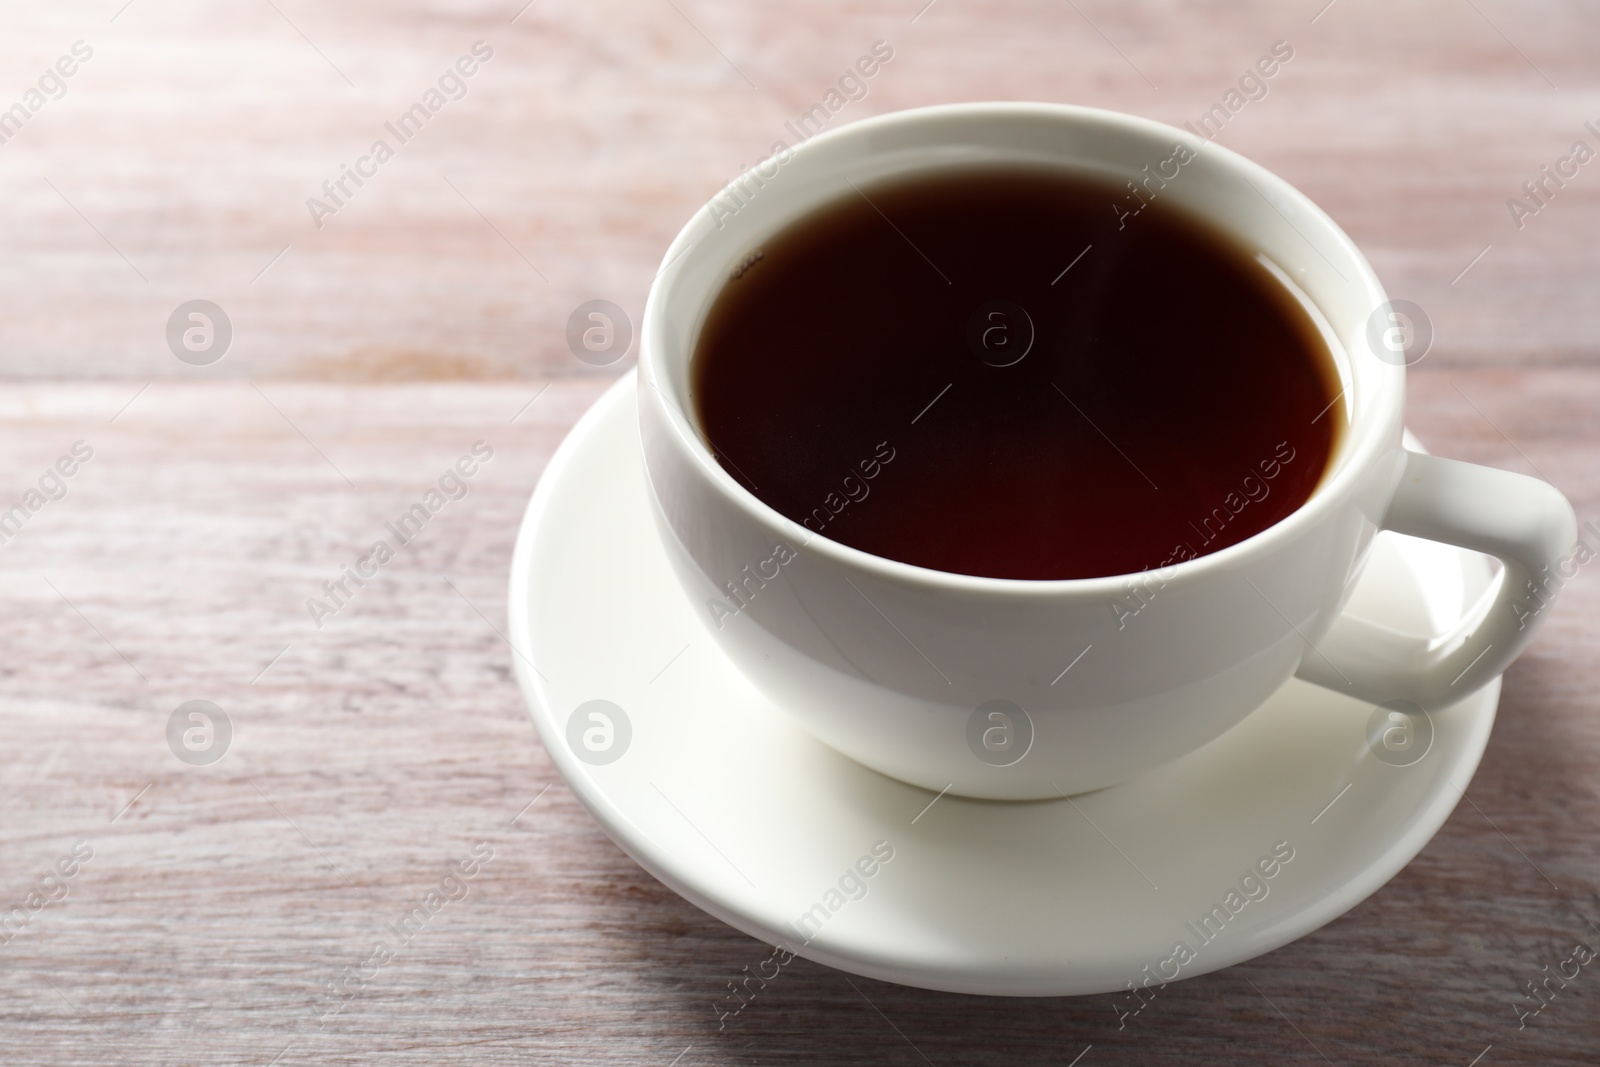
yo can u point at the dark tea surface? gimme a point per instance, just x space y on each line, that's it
1016 373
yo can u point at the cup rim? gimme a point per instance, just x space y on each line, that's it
1365 436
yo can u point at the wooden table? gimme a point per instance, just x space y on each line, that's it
426 313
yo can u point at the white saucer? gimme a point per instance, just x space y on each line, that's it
722 797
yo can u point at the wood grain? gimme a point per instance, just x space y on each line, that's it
369 754
383 746
184 152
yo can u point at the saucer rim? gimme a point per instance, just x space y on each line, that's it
1329 905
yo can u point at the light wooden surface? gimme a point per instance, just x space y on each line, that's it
369 754
194 136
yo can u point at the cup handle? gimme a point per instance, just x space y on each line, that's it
1524 522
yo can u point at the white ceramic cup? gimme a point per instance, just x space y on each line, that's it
953 681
